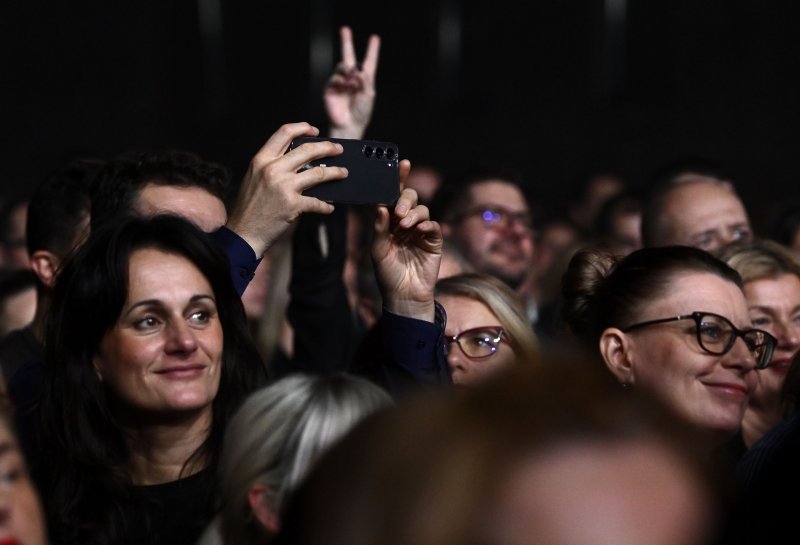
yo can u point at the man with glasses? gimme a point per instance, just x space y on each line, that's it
487 217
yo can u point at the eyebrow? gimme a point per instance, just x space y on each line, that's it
158 303
770 311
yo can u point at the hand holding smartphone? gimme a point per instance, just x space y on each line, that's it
373 166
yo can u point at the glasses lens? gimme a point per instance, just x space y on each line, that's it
479 343
715 333
761 345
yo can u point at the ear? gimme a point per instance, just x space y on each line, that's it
97 368
616 349
45 264
261 503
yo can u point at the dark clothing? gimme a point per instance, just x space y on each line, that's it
767 477
243 260
174 513
326 332
398 353
17 348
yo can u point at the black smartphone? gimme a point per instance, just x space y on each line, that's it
373 172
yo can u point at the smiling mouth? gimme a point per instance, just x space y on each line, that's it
178 372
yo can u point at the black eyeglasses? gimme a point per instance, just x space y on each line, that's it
717 335
479 342
496 216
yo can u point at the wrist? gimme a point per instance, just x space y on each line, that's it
420 310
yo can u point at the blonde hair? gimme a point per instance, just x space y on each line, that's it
760 259
503 302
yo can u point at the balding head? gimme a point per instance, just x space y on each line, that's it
695 210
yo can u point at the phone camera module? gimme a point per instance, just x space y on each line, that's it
390 153
379 153
368 151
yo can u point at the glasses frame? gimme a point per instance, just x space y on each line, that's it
761 363
507 218
498 330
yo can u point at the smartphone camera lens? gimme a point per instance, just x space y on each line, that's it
368 151
390 153
378 153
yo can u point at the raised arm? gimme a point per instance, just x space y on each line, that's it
350 92
270 198
406 252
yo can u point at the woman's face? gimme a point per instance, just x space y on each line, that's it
464 314
707 390
165 352
21 519
774 305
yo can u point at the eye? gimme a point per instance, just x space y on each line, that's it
763 321
741 234
201 317
711 332
148 322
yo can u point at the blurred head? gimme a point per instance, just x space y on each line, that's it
12 235
487 327
771 276
58 217
619 223
590 193
153 182
488 219
537 455
17 299
425 180
666 320
21 517
273 440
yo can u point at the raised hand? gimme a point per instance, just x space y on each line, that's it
350 92
270 198
406 252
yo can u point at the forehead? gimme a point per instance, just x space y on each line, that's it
498 193
153 270
195 204
464 313
695 291
699 206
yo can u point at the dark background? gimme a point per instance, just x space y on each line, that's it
552 88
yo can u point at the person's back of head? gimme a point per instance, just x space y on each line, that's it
444 470
274 439
118 186
693 202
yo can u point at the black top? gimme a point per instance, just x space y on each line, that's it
17 348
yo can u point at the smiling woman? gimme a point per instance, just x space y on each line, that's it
147 356
672 321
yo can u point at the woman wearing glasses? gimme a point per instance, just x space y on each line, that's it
487 328
673 321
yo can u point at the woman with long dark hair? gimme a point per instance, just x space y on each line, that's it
147 356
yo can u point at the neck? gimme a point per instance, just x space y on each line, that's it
42 307
160 447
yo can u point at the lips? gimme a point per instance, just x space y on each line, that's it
179 372
780 366
731 390
8 541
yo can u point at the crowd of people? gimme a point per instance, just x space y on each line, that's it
189 361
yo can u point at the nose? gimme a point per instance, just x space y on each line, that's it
788 335
180 338
455 359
